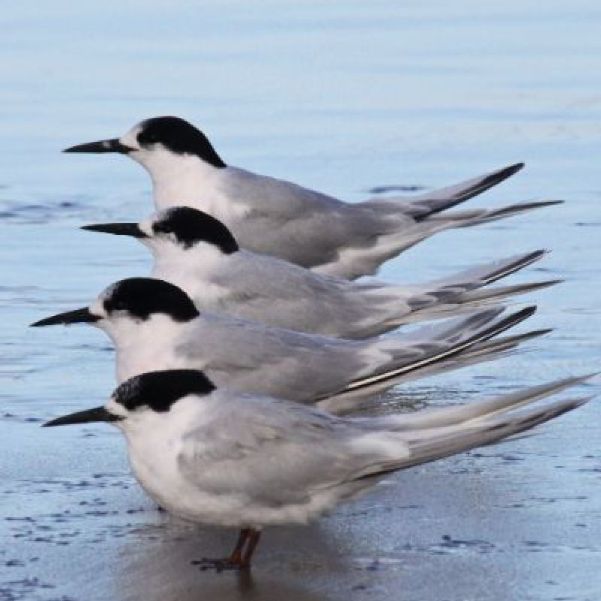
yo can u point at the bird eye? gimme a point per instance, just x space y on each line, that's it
147 137
117 306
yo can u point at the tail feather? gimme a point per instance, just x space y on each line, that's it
500 292
482 352
392 245
422 206
498 345
422 440
485 410
489 273
485 433
459 292
486 216
470 301
490 350
461 335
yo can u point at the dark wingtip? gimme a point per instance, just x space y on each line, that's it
513 319
514 168
541 332
525 312
499 176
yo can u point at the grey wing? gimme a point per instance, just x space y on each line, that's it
303 226
248 356
282 294
274 452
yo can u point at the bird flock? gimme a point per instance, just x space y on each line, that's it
243 356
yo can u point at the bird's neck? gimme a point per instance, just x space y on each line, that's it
145 346
198 272
201 259
183 180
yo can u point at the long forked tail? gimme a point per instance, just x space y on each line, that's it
463 291
444 432
422 349
469 218
490 350
422 206
490 431
475 217
489 273
482 352
485 410
471 301
391 245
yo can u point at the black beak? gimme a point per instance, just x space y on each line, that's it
119 229
78 316
101 146
98 414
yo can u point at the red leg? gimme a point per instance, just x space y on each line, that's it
236 556
237 559
253 541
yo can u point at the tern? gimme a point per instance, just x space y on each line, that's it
276 217
154 325
199 254
214 456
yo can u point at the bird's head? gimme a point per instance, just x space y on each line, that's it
146 399
156 142
175 229
129 304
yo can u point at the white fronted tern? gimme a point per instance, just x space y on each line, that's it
224 458
155 326
198 253
276 217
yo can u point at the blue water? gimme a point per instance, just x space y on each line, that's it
341 97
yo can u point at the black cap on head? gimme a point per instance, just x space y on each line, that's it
179 137
191 226
160 389
143 297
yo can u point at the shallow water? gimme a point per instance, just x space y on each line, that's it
343 99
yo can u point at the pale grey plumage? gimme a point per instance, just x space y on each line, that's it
233 459
155 326
281 294
303 368
316 451
329 236
197 253
280 218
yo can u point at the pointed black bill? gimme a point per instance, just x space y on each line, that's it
78 316
98 414
113 145
119 229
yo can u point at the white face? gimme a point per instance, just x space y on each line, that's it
166 248
117 409
160 244
153 425
110 324
120 325
154 156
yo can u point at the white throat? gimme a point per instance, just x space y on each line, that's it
198 271
143 346
180 179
